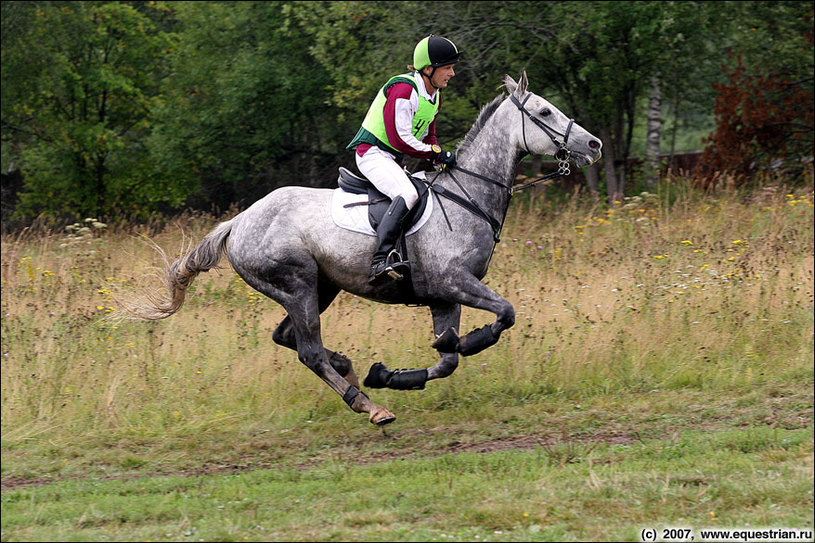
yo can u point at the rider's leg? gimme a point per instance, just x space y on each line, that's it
381 169
386 260
390 179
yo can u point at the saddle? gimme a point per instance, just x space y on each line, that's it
378 203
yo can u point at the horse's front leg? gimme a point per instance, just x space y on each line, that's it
445 317
468 290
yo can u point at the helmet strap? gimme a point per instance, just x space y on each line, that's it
430 77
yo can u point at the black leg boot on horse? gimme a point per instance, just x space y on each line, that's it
386 260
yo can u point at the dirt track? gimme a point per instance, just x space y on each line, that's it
528 442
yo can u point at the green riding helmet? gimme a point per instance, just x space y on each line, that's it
435 51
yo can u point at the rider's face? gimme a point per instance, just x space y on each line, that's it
442 76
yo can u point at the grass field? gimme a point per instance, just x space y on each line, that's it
660 374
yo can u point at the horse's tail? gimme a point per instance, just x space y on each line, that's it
178 276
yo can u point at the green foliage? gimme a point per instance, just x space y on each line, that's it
127 108
362 44
244 110
339 38
82 112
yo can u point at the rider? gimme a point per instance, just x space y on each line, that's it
402 121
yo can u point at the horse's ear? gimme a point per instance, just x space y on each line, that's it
510 84
523 83
518 88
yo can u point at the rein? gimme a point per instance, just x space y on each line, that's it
562 155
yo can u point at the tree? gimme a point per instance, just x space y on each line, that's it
763 121
602 58
131 107
84 77
653 132
245 110
764 107
361 44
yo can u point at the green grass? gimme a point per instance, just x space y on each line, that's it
659 374
760 477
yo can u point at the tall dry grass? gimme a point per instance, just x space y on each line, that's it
676 290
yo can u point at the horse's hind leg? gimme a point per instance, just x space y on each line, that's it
306 322
284 335
302 303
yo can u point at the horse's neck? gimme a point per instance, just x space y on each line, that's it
492 154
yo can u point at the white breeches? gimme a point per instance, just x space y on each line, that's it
388 177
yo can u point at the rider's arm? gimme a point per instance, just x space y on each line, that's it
430 138
400 108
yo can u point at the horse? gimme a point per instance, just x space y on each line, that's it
287 247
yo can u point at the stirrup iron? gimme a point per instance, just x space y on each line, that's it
395 264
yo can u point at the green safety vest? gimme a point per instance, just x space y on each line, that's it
373 127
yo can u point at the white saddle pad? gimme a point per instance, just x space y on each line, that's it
355 218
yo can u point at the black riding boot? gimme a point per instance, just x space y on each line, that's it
386 260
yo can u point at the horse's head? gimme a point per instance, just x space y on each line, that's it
544 130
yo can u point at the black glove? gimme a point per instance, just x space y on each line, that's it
447 159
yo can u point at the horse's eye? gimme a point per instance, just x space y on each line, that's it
545 112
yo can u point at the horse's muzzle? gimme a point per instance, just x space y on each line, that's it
581 159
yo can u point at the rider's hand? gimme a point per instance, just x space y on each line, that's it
447 159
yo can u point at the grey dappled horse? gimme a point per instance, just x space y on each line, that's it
287 247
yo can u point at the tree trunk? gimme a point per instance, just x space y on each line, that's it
613 185
536 165
593 180
652 141
677 102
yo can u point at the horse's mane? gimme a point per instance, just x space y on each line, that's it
483 117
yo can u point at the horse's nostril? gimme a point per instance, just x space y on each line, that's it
594 144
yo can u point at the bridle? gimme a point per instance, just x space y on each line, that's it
562 155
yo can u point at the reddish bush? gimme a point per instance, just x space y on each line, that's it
762 121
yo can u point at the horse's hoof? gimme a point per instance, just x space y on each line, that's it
385 420
447 342
381 416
